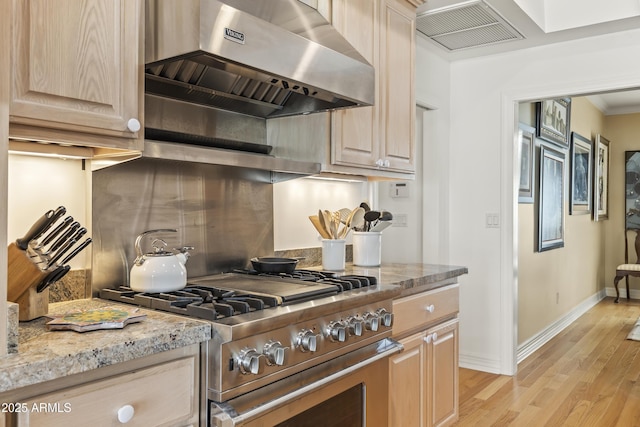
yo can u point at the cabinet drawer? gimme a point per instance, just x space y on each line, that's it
162 395
419 310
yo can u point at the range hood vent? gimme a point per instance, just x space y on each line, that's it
466 25
258 58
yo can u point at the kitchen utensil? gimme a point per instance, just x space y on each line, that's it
369 217
315 220
330 223
76 250
345 213
365 206
385 216
357 222
59 253
39 227
160 270
53 277
64 237
54 233
380 226
274 264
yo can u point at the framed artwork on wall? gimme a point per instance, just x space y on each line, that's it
601 179
551 199
552 120
581 155
526 140
632 190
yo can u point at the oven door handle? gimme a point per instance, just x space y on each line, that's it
386 348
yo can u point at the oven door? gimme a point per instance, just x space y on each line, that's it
348 391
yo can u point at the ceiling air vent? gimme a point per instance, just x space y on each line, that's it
466 25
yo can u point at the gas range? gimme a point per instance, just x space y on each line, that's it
269 328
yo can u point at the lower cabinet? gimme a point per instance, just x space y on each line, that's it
423 378
164 394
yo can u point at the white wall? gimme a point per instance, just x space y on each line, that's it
38 184
295 200
483 92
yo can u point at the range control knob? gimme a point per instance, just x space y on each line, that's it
274 351
337 331
249 361
371 321
385 317
355 326
307 340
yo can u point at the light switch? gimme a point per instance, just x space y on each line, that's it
400 220
493 220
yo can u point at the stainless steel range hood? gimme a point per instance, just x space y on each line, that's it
265 59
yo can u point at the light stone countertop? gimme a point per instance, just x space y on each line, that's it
47 355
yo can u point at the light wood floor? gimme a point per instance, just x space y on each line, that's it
588 375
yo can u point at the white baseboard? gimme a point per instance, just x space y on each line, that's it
634 293
479 363
540 339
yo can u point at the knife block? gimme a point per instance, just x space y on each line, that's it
23 277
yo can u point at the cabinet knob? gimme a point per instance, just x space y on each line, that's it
125 414
133 125
379 162
428 339
435 336
386 163
430 308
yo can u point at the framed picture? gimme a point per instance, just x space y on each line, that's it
526 140
552 120
632 189
551 199
581 155
601 179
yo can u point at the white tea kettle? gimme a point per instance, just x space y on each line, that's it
160 270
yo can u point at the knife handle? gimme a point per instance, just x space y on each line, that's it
65 236
52 277
76 251
64 248
52 235
36 230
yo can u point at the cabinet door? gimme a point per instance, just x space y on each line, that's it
397 97
442 375
75 65
407 393
354 131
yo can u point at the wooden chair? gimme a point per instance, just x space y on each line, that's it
625 270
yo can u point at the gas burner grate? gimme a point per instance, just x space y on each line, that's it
195 301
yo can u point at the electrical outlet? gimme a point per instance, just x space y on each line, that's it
400 220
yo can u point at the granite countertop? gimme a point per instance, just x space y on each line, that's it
47 355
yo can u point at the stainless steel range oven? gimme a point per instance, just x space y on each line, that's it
288 351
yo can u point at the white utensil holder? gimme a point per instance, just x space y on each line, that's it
367 248
333 254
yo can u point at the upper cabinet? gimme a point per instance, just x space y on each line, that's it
376 141
76 72
381 137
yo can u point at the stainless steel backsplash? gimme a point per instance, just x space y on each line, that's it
225 212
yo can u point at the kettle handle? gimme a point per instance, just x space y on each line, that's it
139 253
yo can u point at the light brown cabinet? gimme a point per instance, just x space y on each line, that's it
382 136
423 379
159 390
76 72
